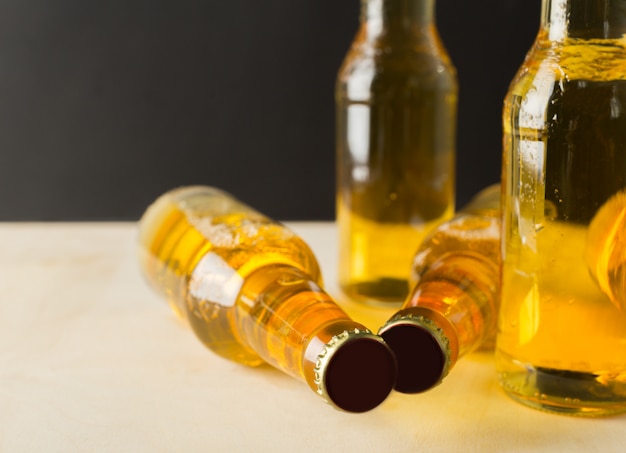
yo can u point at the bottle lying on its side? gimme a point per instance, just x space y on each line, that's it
452 308
252 292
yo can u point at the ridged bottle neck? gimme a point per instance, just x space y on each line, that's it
584 19
448 314
407 15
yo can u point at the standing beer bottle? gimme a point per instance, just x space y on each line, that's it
561 345
396 98
251 291
453 306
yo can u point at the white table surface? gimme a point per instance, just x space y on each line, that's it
92 360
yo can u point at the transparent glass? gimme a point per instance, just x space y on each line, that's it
396 98
251 291
561 345
456 292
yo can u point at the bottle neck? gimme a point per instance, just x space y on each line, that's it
583 19
400 15
461 287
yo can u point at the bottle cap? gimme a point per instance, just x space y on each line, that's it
422 351
355 371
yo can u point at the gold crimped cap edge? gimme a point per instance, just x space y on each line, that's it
329 350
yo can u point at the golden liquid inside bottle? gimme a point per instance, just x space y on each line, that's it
375 268
396 123
562 337
201 261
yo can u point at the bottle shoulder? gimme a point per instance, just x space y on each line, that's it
376 72
416 57
475 233
247 244
186 224
568 60
416 52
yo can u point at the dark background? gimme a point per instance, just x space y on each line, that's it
106 104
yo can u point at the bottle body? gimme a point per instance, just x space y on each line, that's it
396 98
562 330
452 308
249 287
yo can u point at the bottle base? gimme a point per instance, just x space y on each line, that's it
384 292
565 392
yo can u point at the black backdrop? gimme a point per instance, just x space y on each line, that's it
104 104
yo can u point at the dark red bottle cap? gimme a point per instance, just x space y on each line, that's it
421 349
356 372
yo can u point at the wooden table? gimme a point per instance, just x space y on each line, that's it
92 360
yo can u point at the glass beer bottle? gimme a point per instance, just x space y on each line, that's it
561 344
251 291
452 308
396 97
